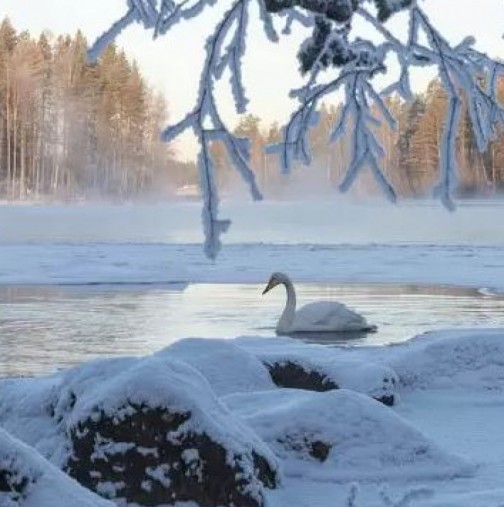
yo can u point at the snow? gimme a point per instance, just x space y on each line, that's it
363 376
157 264
344 242
227 367
42 412
443 435
368 441
466 359
46 485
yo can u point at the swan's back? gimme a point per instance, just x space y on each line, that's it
327 316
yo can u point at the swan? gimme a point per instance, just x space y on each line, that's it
317 317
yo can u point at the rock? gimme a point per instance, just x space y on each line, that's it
292 375
298 365
341 435
142 431
300 373
28 480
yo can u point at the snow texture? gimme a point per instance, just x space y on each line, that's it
463 359
158 264
366 440
28 480
54 413
227 367
451 385
105 387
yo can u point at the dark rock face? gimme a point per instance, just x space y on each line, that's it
13 485
146 458
294 376
306 445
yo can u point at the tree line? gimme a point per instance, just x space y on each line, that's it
411 153
70 129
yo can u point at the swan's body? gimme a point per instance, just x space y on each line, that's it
317 317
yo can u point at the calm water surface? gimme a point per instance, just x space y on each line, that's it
47 327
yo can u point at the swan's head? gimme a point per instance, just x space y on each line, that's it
275 279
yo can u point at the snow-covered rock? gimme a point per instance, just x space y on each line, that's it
149 431
295 364
342 435
29 480
227 367
468 359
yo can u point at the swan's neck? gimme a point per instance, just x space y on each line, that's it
287 317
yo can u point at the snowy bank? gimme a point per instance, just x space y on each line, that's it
467 359
212 422
156 263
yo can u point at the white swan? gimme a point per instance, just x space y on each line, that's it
317 317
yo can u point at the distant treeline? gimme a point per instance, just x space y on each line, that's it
70 129
411 159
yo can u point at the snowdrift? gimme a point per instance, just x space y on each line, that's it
468 359
342 436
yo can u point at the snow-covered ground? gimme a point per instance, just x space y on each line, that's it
474 266
327 241
452 385
441 445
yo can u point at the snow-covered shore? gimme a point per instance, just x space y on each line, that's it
99 263
440 444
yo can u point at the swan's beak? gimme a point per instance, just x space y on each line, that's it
271 285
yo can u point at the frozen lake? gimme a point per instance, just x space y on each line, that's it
85 281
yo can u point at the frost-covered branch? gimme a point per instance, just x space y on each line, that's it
333 60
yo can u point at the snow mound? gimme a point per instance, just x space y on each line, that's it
145 430
227 367
28 480
469 359
341 435
36 410
299 365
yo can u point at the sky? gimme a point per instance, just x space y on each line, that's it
172 63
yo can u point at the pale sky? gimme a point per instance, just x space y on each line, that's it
171 63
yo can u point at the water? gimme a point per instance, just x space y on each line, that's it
47 327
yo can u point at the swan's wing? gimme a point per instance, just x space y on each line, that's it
328 315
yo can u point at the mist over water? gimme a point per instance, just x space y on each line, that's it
318 221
